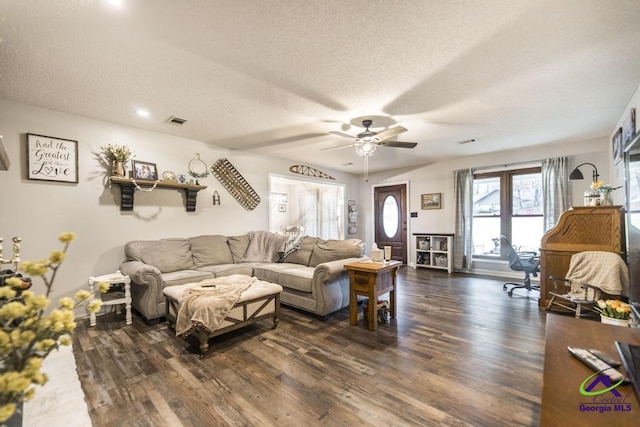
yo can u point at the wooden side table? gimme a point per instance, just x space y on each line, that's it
371 279
113 279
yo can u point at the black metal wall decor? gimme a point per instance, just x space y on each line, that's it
309 171
235 184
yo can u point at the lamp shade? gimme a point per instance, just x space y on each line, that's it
576 174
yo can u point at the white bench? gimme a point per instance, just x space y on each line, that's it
261 300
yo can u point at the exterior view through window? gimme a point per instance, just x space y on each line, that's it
507 203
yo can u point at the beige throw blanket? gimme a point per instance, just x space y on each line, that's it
604 270
207 303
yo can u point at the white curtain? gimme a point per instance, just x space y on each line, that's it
463 239
322 212
555 190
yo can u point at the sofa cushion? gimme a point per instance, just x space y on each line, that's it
238 246
229 269
166 254
333 250
210 250
264 246
185 276
302 255
290 276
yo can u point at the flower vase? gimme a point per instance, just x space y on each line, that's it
118 169
605 199
612 321
15 420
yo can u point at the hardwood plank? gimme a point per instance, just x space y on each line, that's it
460 352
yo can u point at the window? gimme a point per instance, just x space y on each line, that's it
507 203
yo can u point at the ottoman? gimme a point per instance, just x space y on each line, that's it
258 300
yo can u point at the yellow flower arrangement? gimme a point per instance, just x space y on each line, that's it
602 187
614 308
28 334
119 153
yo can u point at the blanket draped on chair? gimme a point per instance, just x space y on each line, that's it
207 303
604 270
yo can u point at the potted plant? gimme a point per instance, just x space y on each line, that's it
117 156
613 312
605 192
29 332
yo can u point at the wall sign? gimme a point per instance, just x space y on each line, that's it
52 159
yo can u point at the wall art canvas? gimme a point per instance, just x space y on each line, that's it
52 159
432 201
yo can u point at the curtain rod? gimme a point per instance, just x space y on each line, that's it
530 162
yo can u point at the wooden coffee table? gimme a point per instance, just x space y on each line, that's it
371 279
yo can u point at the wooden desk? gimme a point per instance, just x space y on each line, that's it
562 403
371 279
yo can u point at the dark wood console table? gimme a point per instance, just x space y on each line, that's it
128 188
562 403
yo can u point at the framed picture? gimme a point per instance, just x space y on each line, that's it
282 207
616 146
432 201
144 170
52 159
629 128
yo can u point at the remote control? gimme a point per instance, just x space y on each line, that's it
605 357
598 365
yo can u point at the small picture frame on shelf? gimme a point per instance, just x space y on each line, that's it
431 201
144 170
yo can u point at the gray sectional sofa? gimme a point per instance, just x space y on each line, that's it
309 269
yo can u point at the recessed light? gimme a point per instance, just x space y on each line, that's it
118 3
142 113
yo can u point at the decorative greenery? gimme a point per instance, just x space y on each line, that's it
119 153
27 334
602 187
614 308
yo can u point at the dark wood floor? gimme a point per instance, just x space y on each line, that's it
460 352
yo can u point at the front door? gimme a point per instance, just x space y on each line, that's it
390 219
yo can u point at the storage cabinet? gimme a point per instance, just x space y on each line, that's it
434 251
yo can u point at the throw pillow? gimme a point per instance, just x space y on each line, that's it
303 254
333 250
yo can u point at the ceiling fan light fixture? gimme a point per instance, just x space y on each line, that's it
367 148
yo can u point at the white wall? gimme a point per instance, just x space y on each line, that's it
438 178
38 211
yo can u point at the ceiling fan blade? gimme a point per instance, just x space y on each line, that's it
345 135
399 144
338 147
386 134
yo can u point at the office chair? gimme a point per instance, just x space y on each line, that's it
592 275
525 261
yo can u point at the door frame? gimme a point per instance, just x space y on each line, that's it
408 219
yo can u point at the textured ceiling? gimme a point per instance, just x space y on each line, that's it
275 77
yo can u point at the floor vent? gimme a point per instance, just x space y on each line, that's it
175 121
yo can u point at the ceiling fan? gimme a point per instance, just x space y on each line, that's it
369 141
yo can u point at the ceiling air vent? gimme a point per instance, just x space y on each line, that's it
177 121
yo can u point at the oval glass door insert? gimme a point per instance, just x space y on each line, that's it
390 215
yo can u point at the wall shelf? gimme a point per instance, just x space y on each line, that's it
434 251
128 188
